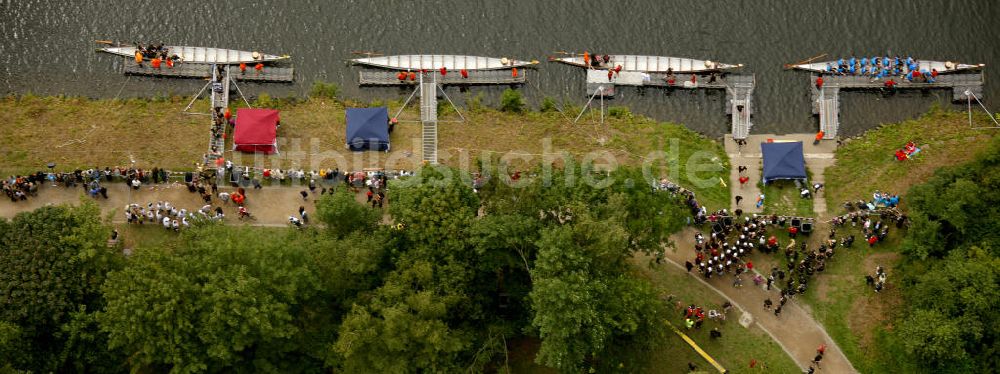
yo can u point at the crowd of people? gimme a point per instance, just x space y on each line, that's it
882 67
18 188
169 215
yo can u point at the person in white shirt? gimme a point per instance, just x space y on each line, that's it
166 223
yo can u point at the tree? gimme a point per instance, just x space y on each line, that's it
436 208
230 299
407 327
934 337
582 297
342 214
952 272
54 259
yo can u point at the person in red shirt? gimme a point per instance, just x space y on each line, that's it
871 240
792 231
744 180
900 155
749 266
819 83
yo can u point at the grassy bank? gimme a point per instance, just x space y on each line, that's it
83 133
856 317
867 163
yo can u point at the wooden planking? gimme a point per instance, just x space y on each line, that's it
379 77
204 71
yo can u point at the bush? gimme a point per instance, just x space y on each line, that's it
263 101
322 89
548 105
511 101
475 103
620 112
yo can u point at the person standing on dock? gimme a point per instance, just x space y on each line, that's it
819 83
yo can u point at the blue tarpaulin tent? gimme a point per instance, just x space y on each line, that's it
783 160
368 128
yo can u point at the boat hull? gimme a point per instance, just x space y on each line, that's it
942 67
651 64
203 55
436 62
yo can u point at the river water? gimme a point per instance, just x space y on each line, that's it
47 46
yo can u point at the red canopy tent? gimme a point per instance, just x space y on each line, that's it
256 130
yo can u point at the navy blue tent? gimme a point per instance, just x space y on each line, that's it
368 128
783 160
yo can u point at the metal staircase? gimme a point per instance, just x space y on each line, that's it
429 120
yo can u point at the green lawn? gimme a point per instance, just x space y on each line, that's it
115 132
857 318
867 163
854 315
734 350
782 198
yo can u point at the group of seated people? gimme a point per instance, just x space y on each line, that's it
172 218
908 151
18 188
597 61
155 51
882 67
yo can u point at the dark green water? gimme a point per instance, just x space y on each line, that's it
47 46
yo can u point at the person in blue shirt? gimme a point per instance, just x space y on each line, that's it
885 62
909 76
927 75
852 69
852 61
840 69
864 61
864 70
840 62
829 67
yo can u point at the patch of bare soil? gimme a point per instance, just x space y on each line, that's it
873 310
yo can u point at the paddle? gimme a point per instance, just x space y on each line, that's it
806 61
367 53
108 42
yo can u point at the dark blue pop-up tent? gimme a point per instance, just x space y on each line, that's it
783 160
368 128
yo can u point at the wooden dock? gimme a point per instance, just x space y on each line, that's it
204 71
380 77
826 101
739 90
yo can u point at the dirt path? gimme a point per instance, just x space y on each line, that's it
271 206
795 330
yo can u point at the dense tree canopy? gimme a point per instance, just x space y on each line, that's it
456 275
54 260
952 285
226 300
